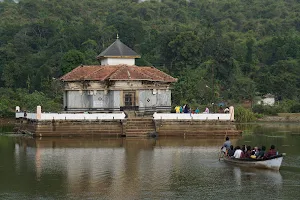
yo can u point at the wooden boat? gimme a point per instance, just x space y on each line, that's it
273 162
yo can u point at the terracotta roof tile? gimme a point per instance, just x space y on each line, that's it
117 72
79 73
155 73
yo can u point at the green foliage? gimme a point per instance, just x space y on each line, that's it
258 115
286 105
27 101
243 115
71 59
295 108
235 48
267 110
5 111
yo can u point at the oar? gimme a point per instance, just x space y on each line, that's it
221 153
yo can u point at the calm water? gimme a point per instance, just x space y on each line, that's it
165 168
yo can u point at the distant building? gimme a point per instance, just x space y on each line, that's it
267 99
117 84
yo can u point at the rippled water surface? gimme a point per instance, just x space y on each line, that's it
163 168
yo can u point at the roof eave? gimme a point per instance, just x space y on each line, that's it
130 79
100 57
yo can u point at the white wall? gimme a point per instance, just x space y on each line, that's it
29 115
74 116
203 116
118 61
267 101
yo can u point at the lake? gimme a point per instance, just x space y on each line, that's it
134 168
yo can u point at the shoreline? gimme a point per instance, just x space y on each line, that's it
280 118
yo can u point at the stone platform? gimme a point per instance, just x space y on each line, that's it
132 127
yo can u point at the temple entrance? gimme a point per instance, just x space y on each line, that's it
129 101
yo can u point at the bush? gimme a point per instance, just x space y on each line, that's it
286 105
5 110
267 110
27 101
258 115
295 108
243 114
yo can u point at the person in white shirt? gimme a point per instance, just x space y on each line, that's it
238 152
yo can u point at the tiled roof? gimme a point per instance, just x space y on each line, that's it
117 72
118 49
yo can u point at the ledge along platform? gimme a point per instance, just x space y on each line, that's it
117 125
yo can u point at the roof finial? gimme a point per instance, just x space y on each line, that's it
117 36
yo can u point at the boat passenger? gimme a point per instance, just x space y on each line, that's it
261 152
238 152
248 152
256 151
230 152
271 152
244 148
253 155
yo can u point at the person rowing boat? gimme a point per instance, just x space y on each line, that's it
226 146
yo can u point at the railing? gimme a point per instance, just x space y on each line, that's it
109 116
188 116
74 116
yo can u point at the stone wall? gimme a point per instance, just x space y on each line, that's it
185 128
65 128
136 127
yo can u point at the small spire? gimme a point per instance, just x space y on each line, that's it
117 36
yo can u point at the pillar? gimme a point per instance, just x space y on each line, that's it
231 111
38 112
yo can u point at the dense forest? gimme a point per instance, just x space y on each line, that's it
220 50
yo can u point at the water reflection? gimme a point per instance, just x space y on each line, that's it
116 167
244 175
120 168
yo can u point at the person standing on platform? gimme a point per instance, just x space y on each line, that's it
177 109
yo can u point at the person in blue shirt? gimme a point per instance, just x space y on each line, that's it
226 146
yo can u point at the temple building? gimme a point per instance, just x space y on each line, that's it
117 84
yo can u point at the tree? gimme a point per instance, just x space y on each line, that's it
71 59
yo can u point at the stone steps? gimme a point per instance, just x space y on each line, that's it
139 127
137 134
